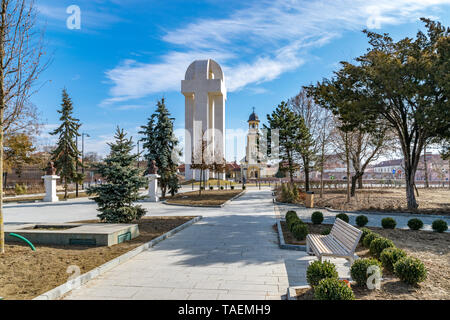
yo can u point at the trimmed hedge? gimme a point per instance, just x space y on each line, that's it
415 224
320 270
388 223
300 230
358 270
343 217
410 270
439 226
365 232
326 231
378 245
333 289
369 238
361 220
317 217
390 256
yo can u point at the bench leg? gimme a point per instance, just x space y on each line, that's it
308 248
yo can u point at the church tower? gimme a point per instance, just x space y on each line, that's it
251 165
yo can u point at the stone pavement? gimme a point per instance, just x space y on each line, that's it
231 254
374 218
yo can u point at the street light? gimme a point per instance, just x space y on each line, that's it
82 153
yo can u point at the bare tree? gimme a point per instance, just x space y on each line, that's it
318 121
21 50
202 159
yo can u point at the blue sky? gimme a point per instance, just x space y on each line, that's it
130 53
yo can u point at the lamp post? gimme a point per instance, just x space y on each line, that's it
138 154
82 154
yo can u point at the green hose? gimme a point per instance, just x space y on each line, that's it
24 239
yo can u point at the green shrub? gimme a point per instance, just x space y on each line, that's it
369 238
365 232
410 270
20 189
326 231
291 214
390 256
232 187
333 289
317 217
415 224
388 223
211 187
343 217
358 270
300 230
378 245
320 270
439 226
243 187
291 219
221 187
361 220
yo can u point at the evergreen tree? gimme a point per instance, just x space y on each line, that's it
160 145
285 123
66 155
123 180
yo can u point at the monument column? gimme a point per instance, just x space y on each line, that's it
50 184
205 92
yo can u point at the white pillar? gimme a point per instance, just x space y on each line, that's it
50 188
152 187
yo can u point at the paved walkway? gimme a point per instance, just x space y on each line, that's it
232 253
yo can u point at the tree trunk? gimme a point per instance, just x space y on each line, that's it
360 182
410 196
2 110
427 184
355 178
306 163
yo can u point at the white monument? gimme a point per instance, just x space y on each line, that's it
152 182
152 187
205 95
50 188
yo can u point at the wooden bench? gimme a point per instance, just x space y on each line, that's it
341 242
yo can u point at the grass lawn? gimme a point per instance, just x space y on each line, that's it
25 274
207 197
430 247
431 201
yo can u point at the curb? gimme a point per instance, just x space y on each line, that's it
291 294
65 288
200 206
399 214
282 243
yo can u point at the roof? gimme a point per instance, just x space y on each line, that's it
253 116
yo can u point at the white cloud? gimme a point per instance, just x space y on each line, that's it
259 43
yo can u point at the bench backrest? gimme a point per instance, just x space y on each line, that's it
346 234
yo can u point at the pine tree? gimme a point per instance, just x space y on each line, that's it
66 155
160 145
123 180
286 124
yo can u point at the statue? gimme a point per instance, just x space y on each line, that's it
51 170
152 169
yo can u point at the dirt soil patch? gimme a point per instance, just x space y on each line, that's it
430 247
431 201
207 197
25 274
